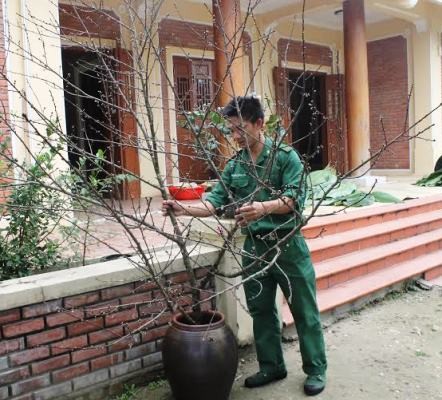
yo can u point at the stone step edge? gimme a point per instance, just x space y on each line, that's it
369 255
354 235
321 222
371 282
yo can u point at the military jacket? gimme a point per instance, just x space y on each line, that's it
277 172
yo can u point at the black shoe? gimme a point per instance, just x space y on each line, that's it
314 384
263 378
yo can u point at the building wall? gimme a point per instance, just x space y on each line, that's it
88 344
315 54
186 39
388 80
4 106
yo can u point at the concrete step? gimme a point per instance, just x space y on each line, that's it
349 266
363 286
354 289
363 253
354 240
344 221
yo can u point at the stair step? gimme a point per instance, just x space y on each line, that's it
365 285
344 221
352 290
357 239
340 269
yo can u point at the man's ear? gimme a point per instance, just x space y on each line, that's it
259 123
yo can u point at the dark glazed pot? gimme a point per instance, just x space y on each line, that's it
200 361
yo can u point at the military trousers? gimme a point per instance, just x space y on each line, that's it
293 272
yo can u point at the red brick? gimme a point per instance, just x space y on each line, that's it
70 372
117 292
37 310
30 385
201 272
87 354
153 307
8 346
47 336
106 334
124 343
143 324
153 334
9 316
28 396
14 375
72 344
179 277
81 300
85 326
23 327
140 298
122 316
50 364
145 286
106 361
100 309
63 318
388 99
27 356
291 50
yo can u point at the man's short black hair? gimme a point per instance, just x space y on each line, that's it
248 108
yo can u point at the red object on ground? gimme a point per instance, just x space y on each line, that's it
186 193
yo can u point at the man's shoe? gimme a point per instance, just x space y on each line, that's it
314 384
263 378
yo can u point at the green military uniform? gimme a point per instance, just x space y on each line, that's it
281 171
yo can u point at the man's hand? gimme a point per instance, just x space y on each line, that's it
173 205
250 212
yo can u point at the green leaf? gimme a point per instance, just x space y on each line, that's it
343 190
434 179
322 176
215 117
100 154
382 197
359 199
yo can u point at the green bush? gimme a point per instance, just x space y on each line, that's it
31 213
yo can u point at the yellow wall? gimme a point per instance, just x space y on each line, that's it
424 66
34 67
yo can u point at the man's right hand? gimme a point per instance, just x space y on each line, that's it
175 206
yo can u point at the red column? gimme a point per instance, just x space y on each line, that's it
229 68
356 84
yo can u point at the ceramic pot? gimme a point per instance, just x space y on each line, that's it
200 361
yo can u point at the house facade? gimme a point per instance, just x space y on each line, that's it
356 73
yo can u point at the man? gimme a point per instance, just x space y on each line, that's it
266 183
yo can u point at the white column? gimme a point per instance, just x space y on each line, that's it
427 96
231 302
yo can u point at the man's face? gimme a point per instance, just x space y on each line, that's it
245 133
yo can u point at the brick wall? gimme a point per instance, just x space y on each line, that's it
4 104
291 50
388 79
88 343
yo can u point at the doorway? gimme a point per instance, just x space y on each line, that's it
87 129
96 118
308 106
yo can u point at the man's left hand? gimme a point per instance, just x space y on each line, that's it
249 213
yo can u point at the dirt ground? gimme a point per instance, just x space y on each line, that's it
388 350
